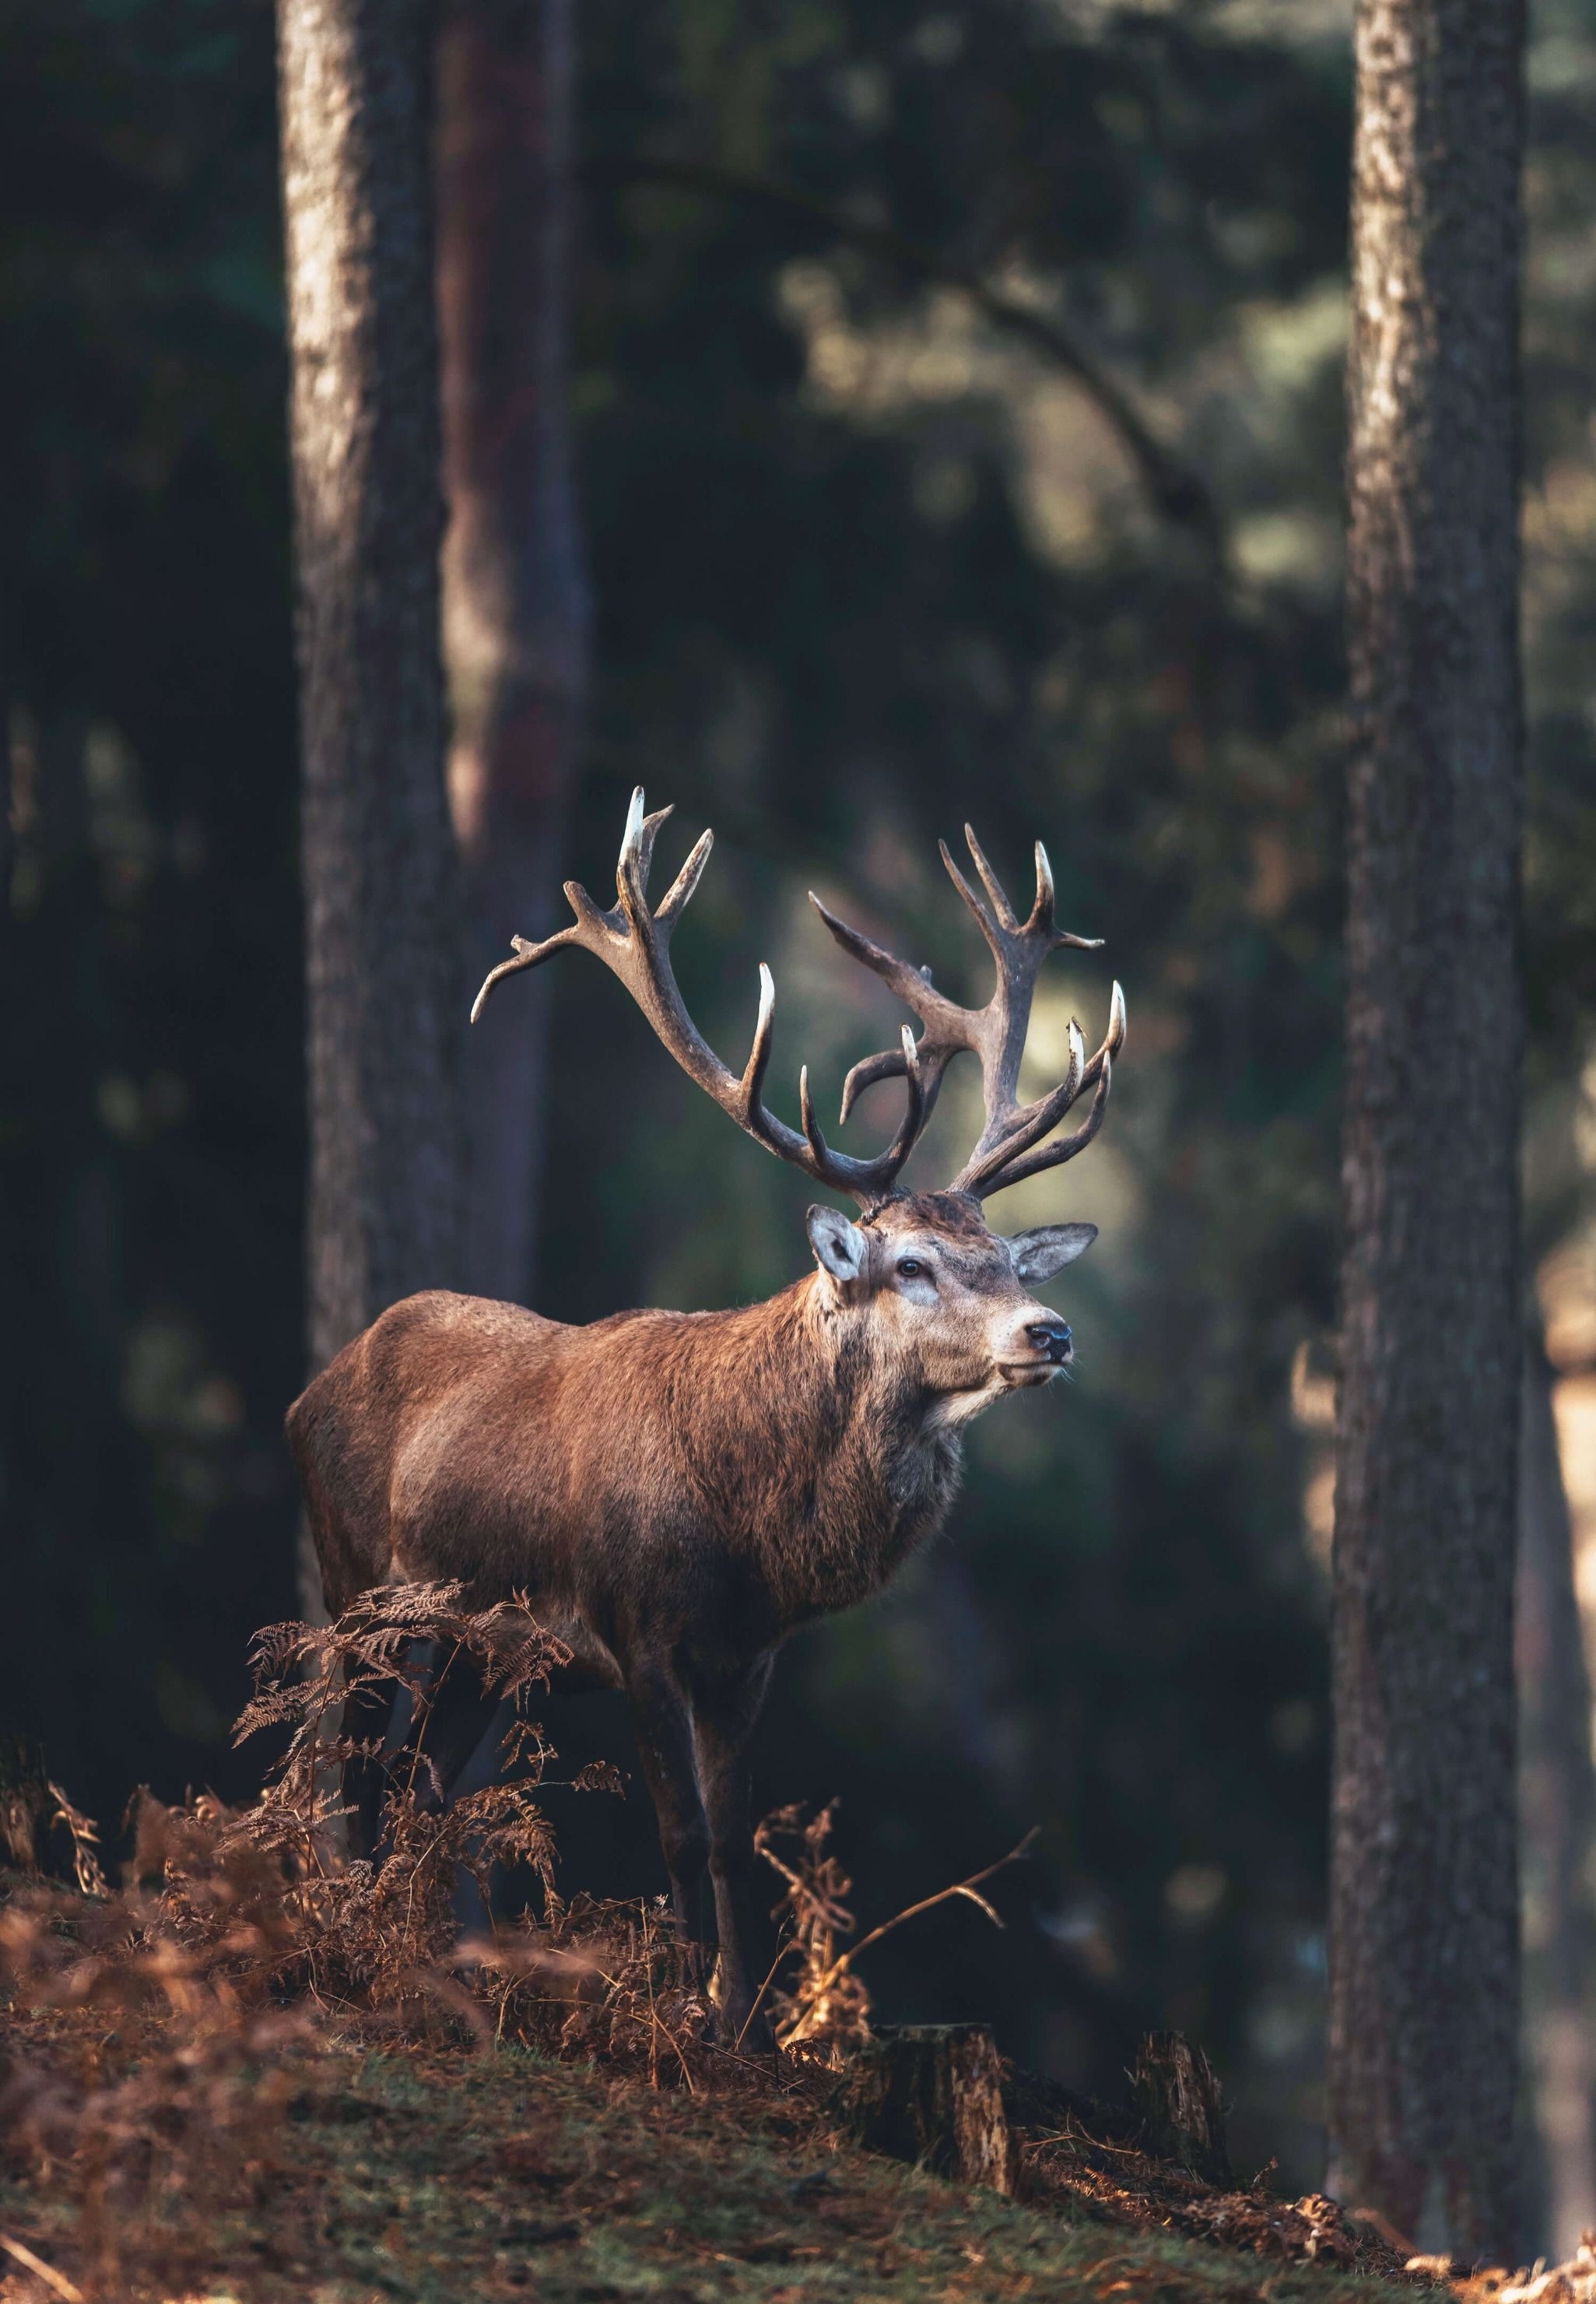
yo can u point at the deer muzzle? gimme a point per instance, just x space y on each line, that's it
1052 1339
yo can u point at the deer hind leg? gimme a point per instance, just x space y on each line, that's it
662 1724
459 1712
725 1713
367 1711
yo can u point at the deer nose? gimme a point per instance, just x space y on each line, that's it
1052 1340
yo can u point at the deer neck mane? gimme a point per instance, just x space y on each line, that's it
838 1475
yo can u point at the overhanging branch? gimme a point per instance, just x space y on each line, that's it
1176 491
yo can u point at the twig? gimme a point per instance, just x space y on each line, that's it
47 2273
1176 492
782 1952
845 1960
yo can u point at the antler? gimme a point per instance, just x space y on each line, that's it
1011 1144
635 944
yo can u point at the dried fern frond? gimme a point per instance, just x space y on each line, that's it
85 1844
821 2007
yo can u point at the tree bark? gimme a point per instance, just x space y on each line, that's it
1183 2114
932 2093
515 595
1424 1989
381 905
1559 1808
24 1804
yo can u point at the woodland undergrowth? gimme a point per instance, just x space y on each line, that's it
165 2031
160 2027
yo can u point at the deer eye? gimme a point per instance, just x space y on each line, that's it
911 1268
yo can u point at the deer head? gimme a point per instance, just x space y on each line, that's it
942 1290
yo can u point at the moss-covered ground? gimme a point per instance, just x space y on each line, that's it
441 2177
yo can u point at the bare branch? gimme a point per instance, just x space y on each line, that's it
1176 492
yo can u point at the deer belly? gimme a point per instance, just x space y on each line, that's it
591 1666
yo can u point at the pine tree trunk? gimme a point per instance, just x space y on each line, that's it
381 906
1425 1990
515 597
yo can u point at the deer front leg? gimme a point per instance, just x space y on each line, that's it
367 1713
460 1709
662 1724
725 1713
458 1712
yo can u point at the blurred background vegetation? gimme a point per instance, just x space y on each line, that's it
864 564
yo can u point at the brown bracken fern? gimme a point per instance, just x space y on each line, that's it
160 2028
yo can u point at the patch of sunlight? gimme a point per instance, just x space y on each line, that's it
1560 515
1297 546
1286 345
937 354
1070 467
1573 1403
1293 22
1313 1414
1561 62
1573 1412
1319 1506
1566 1284
1072 471
1059 1003
1313 1392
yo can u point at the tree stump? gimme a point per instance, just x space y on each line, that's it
25 1803
932 2093
1178 2098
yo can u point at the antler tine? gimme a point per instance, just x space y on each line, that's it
527 954
634 943
943 1018
995 1034
887 1065
636 853
1062 1147
829 1163
912 985
1028 1127
1113 1039
752 1084
679 895
983 919
1018 1160
989 880
1042 910
1041 921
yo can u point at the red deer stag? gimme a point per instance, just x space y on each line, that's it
676 1491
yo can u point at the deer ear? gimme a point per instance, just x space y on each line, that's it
1038 1255
840 1247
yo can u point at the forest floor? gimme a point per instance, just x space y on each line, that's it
255 2072
415 2175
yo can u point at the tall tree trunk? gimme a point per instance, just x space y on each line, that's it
1559 1807
1425 1985
515 598
381 905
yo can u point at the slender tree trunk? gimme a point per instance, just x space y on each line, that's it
381 904
1559 1805
515 600
1424 1988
